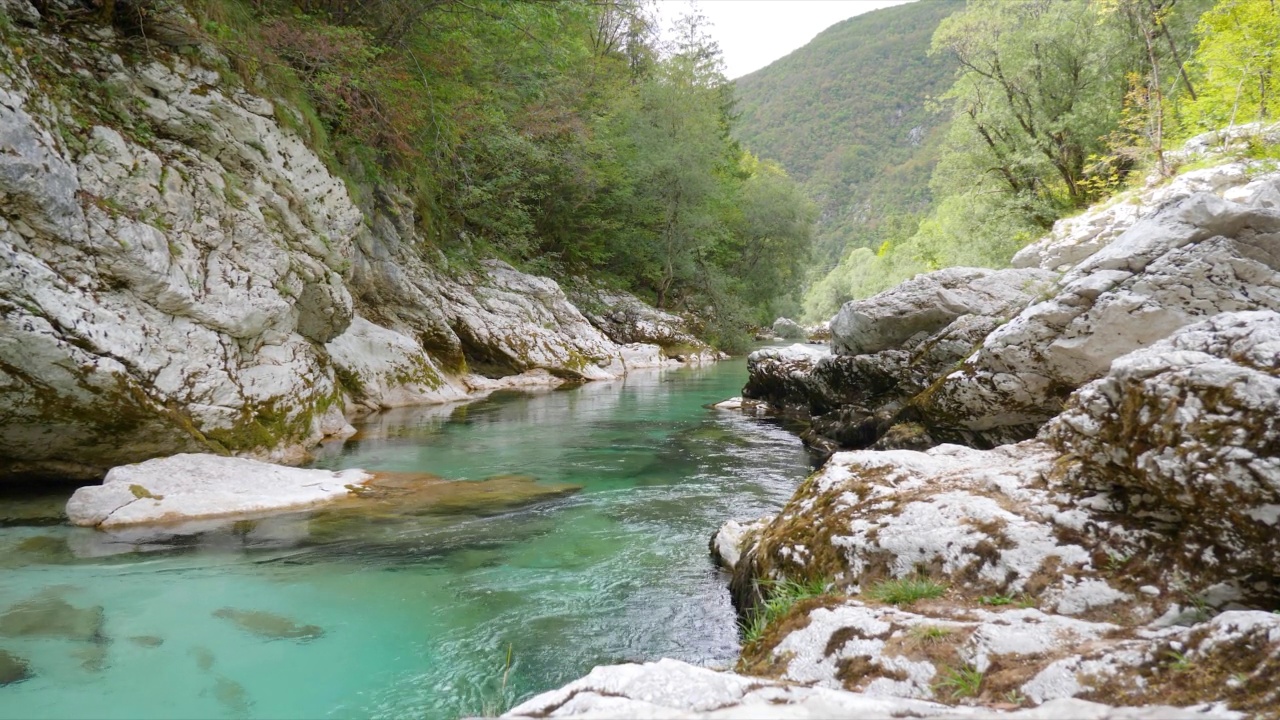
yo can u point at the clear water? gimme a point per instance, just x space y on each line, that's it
419 613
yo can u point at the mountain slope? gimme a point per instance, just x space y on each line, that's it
848 115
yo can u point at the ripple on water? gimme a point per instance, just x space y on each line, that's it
435 598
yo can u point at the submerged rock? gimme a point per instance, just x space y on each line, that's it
391 494
184 487
48 615
232 696
13 669
269 626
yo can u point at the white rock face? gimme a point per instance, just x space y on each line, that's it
969 516
164 298
188 279
1190 260
672 689
385 369
927 303
625 319
193 486
1190 427
502 317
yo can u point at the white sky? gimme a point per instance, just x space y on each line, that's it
754 33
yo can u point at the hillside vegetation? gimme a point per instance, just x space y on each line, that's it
849 115
563 137
1052 105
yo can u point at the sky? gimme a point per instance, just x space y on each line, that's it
754 33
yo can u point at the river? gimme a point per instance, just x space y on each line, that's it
461 610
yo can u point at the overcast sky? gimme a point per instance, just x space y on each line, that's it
754 33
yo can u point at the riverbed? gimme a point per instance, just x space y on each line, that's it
464 609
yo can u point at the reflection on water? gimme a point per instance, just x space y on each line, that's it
578 538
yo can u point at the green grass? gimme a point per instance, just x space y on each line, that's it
929 634
904 591
1178 662
995 600
781 596
959 683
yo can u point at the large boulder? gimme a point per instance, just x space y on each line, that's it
1147 506
781 376
888 349
1193 259
627 320
789 329
510 322
1188 431
192 486
928 303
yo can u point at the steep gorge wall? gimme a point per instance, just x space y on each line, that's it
180 272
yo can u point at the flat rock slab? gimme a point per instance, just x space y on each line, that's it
189 486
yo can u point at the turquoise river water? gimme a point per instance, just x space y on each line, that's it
433 613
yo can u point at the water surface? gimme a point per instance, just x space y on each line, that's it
417 615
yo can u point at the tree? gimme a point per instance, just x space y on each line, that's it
1236 64
1036 91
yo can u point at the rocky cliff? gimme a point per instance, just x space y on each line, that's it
180 272
1065 487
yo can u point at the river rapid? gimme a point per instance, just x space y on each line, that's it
462 609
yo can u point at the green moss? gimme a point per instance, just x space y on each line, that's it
143 493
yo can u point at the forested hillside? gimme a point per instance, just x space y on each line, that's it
1056 105
563 137
849 115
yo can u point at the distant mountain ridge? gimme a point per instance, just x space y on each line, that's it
849 116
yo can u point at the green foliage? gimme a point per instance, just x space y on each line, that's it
1235 68
1054 105
555 135
995 600
849 116
781 596
904 591
959 682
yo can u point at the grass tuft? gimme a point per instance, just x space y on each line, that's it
959 682
904 591
782 595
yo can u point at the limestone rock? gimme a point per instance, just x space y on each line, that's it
381 368
190 486
511 322
780 375
889 348
927 303
788 329
1189 431
188 276
979 522
673 689
1191 260
626 319
162 296
728 541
